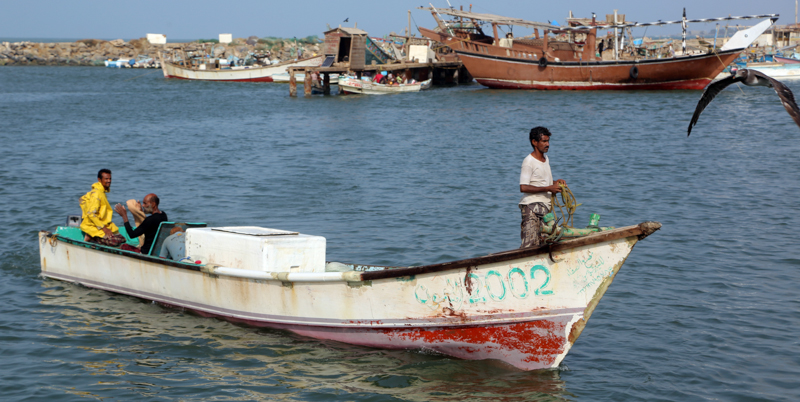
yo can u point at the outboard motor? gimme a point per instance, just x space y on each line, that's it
73 221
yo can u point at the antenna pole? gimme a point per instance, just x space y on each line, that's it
683 23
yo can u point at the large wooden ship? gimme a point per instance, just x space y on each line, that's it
566 57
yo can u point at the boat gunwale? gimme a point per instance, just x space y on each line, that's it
641 231
124 253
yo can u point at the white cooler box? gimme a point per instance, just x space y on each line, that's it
258 249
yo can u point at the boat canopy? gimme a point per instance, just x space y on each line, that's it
491 18
773 17
497 19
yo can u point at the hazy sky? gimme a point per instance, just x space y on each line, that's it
183 19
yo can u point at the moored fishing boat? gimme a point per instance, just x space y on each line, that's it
353 85
795 59
776 70
525 307
568 60
120 63
212 72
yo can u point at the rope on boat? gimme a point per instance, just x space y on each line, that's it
569 204
49 238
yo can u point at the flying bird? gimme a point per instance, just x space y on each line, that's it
750 78
346 19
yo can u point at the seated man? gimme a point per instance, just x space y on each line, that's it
149 227
96 224
174 246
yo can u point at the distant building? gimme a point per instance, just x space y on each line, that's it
225 38
786 35
157 39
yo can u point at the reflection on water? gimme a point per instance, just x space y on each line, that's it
156 349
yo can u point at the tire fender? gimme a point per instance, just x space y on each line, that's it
543 62
634 72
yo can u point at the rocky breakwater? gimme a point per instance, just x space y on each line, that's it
86 52
94 52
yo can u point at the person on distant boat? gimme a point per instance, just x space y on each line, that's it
536 182
316 82
174 246
149 227
96 223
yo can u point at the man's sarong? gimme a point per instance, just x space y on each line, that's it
111 241
128 247
531 224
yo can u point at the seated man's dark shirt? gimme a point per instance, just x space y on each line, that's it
148 228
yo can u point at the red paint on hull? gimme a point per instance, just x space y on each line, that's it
260 79
690 84
530 345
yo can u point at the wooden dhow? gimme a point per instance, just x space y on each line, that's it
525 307
571 63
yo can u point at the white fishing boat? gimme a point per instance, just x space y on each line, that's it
525 307
120 63
353 85
777 70
212 71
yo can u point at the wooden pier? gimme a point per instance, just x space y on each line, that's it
349 51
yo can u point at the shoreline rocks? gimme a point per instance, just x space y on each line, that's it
94 52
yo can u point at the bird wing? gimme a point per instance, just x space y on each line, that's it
786 95
708 95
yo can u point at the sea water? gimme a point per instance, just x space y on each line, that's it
707 308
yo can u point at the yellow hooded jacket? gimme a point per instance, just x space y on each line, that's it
97 212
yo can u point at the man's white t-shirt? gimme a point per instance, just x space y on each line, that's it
535 173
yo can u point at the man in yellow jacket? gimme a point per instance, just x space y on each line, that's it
97 213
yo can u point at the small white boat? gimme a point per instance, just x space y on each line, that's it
777 70
257 73
353 85
525 307
120 63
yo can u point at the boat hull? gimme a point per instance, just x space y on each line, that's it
519 306
247 74
786 60
691 72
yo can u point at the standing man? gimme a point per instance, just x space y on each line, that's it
149 227
96 220
536 182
